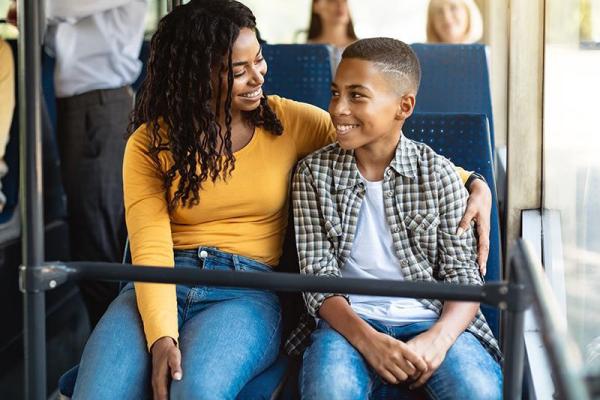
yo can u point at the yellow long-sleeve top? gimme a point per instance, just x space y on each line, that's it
7 93
245 215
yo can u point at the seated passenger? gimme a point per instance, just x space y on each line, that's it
7 106
378 205
454 21
206 179
331 24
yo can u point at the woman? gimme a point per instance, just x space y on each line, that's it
206 178
330 23
453 21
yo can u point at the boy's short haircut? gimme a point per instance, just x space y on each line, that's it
393 57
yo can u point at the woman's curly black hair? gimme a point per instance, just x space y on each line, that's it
189 44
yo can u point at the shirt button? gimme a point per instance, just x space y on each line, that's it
404 263
389 194
395 229
203 254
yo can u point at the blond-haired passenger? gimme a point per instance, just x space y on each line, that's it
454 21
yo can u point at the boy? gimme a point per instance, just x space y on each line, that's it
378 205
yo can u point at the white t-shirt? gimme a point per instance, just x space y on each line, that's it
373 257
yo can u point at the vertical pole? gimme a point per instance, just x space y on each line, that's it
32 219
514 349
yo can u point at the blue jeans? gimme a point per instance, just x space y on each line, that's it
333 369
227 336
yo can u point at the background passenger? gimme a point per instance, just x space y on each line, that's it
206 181
454 21
331 24
96 45
378 205
7 106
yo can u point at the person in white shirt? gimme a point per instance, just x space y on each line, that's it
96 45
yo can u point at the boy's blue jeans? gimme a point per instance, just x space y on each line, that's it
334 369
227 336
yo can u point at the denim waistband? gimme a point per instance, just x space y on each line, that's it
213 258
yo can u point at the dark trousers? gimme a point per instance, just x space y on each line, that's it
91 136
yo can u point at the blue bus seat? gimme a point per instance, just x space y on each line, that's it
465 140
455 79
300 72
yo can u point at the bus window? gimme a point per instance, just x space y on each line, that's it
571 163
288 23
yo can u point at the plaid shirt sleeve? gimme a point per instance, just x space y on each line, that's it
316 250
457 255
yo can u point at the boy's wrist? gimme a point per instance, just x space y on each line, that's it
361 337
444 333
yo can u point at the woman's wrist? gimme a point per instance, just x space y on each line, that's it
165 341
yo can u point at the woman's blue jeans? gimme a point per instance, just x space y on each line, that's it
227 336
333 369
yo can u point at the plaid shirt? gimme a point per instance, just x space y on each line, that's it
424 201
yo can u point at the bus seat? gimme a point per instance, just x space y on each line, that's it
300 72
465 140
455 79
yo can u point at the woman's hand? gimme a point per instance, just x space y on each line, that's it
479 209
166 362
392 359
432 346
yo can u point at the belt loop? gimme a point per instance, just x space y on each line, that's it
102 96
236 262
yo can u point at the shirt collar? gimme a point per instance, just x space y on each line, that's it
345 169
406 159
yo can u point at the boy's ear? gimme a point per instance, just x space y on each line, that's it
406 106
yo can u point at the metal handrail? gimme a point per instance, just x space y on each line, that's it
53 274
563 354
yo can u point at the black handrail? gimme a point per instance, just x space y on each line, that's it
492 293
563 353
